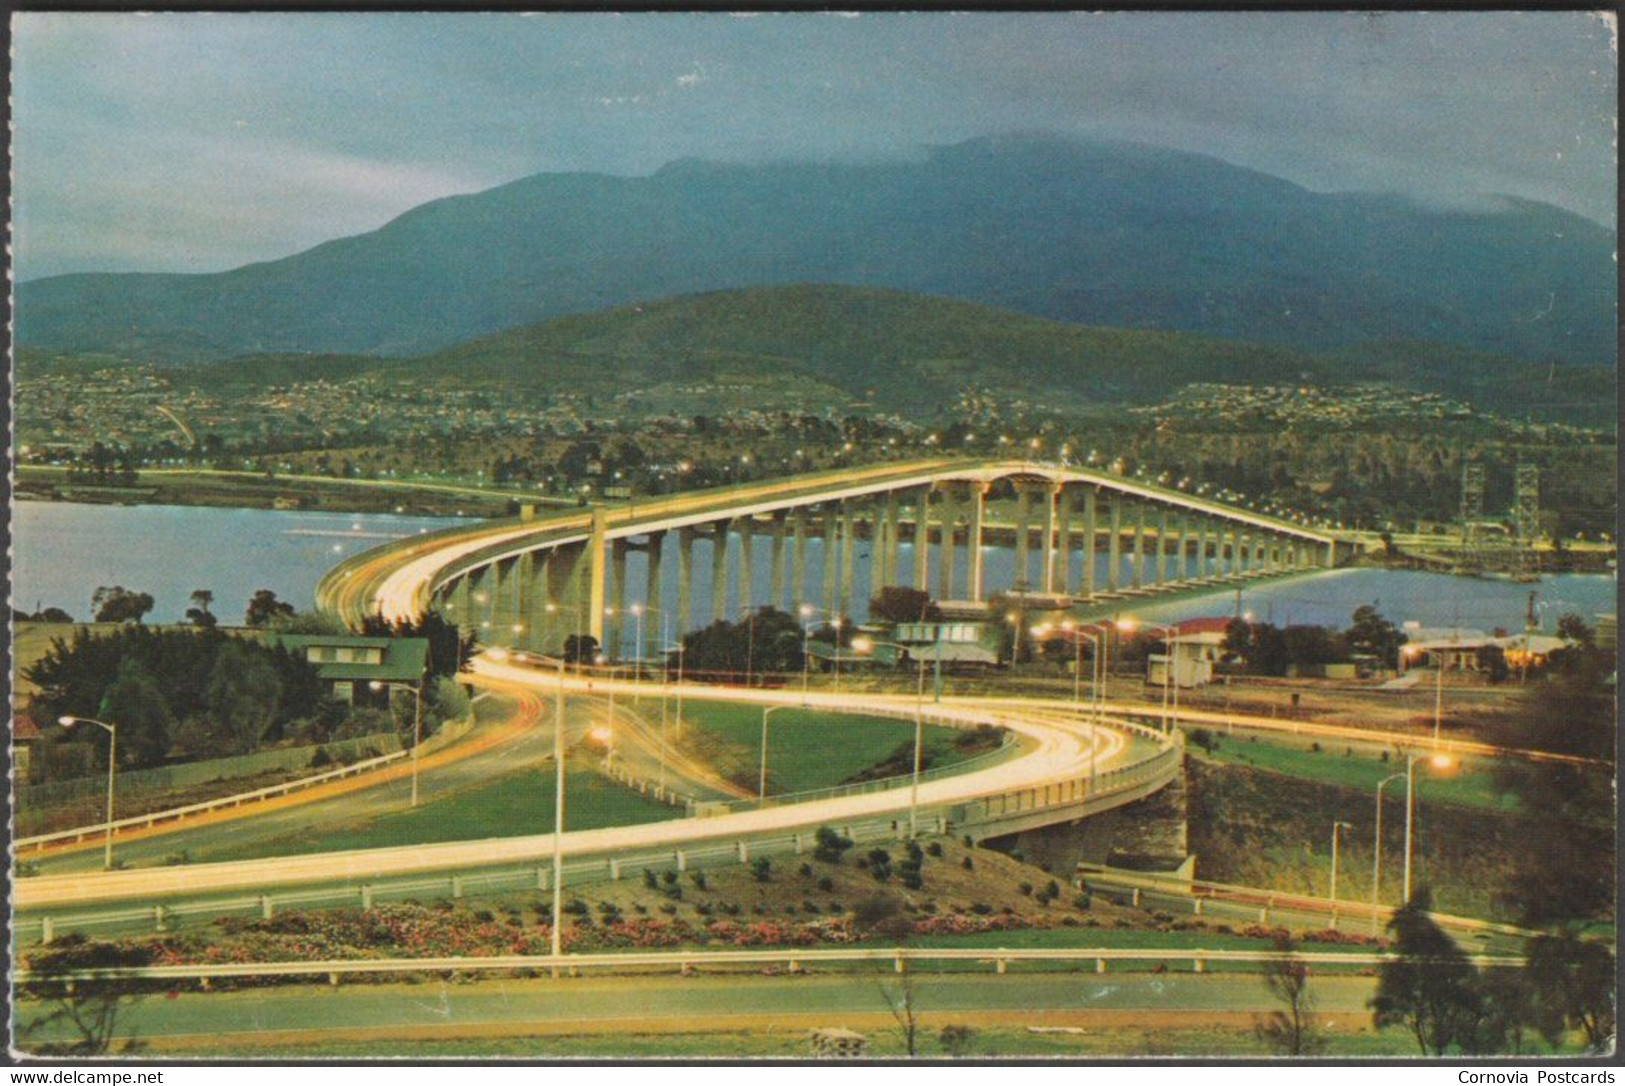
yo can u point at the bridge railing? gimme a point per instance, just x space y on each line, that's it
1100 878
82 833
792 959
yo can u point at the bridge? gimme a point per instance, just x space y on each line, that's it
1077 536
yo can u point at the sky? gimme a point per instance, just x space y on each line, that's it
201 142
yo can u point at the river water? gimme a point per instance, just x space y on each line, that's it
61 552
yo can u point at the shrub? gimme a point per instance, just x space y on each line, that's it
1082 902
981 908
669 909
806 870
1052 890
320 758
699 880
576 907
967 864
915 853
1026 889
826 884
810 907
830 845
761 869
650 880
934 849
669 878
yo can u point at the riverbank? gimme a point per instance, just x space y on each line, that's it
251 490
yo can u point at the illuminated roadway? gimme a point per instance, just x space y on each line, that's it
397 581
1055 749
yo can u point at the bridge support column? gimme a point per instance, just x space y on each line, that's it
1139 544
798 561
685 580
719 570
1184 546
894 534
617 597
501 592
1114 545
1164 557
747 571
1061 580
1331 554
1046 547
973 541
1236 559
539 611
945 542
831 556
1024 525
1091 529
877 549
775 576
651 583
922 540
849 534
596 574
462 603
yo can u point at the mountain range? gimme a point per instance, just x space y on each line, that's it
1088 233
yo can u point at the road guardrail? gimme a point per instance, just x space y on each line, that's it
794 960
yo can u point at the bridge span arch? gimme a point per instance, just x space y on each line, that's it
529 582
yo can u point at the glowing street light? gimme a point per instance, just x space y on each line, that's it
69 722
417 720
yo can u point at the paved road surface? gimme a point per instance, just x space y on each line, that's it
1059 749
677 1004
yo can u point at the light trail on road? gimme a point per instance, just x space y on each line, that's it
1057 749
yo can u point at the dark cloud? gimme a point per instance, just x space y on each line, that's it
197 142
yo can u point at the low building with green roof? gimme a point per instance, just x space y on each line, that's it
348 663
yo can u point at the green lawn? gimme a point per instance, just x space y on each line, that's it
509 806
1470 784
813 748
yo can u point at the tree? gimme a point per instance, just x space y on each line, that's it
894 603
1429 986
1295 1029
89 1009
1572 627
136 706
1372 635
1571 981
198 614
879 917
581 648
765 640
263 607
449 648
243 696
119 604
1567 805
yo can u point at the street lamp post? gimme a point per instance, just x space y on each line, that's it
1169 633
1096 698
558 817
1376 853
761 791
417 723
1336 827
112 765
1439 761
